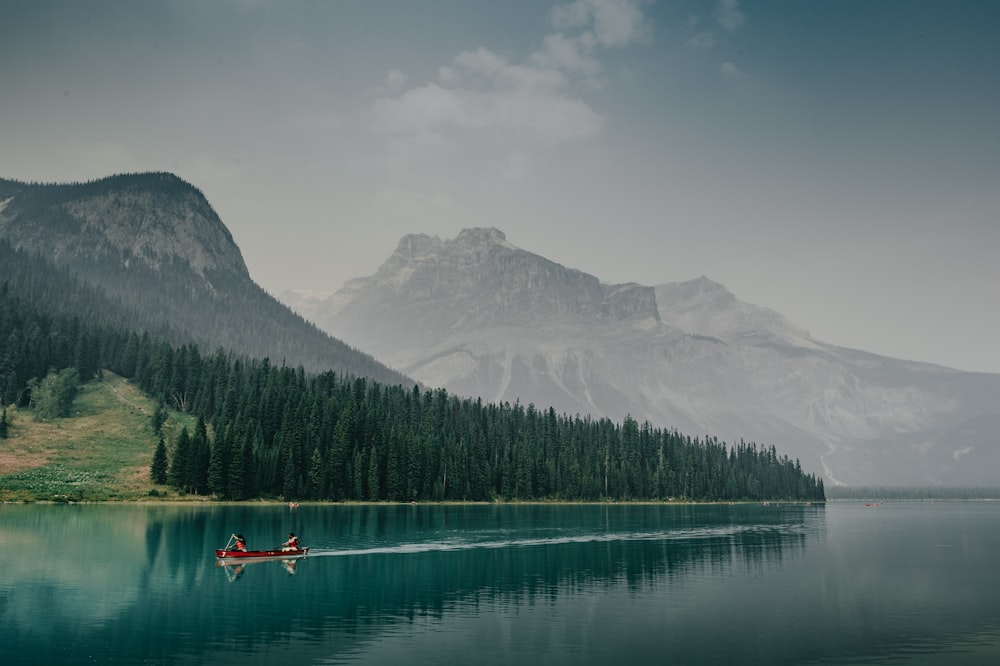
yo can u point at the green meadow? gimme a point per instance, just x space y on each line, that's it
101 452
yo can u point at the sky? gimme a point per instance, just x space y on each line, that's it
837 162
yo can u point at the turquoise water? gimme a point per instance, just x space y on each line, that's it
906 583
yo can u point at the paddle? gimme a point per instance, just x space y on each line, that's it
234 541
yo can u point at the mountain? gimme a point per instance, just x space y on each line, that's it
166 264
481 317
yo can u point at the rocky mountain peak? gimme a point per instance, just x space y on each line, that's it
490 280
482 236
413 245
416 247
704 307
156 219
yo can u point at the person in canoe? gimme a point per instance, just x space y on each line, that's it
292 543
240 543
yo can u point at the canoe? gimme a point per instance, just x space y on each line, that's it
223 554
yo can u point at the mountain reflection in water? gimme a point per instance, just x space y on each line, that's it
500 583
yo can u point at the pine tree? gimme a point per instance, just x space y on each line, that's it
159 418
316 475
357 477
373 476
393 488
201 456
236 483
178 473
289 488
158 470
218 466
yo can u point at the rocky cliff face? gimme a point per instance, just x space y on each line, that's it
482 317
480 279
154 219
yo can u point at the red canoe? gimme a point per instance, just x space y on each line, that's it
223 554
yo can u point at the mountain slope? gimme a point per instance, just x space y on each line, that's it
481 317
153 244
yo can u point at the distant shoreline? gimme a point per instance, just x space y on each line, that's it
307 503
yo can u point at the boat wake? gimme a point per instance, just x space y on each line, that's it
466 543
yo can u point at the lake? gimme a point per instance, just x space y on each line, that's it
901 583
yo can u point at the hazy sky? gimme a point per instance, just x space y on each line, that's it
838 162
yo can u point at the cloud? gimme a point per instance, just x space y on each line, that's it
483 67
492 96
727 13
958 453
481 91
512 109
561 53
613 22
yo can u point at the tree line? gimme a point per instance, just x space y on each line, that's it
265 430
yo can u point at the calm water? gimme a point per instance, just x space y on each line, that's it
907 583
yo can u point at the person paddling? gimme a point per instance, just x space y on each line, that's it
241 543
292 543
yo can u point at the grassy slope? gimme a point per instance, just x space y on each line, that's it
102 452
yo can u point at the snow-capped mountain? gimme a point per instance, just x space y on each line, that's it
482 317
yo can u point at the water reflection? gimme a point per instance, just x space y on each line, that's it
539 556
138 578
526 584
234 569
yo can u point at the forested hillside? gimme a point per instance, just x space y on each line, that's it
275 431
159 260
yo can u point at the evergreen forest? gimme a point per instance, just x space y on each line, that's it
273 431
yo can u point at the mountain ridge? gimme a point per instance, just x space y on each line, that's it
153 243
157 217
479 316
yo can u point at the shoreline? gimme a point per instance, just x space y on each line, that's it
307 503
